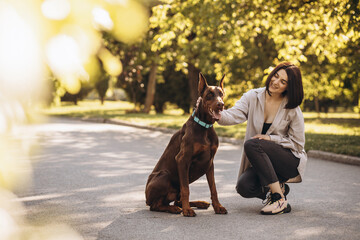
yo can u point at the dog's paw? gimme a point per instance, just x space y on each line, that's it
188 212
220 209
175 210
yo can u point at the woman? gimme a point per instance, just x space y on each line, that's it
275 138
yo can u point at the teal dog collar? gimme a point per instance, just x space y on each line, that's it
201 123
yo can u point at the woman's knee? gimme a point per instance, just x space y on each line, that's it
251 144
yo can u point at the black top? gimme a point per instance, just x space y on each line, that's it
266 127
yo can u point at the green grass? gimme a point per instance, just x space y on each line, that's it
333 132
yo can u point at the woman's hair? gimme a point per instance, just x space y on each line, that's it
294 91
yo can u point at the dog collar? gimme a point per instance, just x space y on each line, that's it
201 123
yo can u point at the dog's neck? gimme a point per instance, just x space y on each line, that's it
202 113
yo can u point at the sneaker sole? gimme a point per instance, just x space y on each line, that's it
285 210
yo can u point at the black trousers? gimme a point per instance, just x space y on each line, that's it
270 163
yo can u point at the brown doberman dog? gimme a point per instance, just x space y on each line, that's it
188 156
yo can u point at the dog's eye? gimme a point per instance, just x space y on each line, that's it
210 95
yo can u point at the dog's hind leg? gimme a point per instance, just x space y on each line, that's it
159 193
160 207
156 187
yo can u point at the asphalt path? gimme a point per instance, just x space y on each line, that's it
92 176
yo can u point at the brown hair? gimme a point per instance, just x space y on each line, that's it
294 91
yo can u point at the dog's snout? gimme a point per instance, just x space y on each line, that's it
220 105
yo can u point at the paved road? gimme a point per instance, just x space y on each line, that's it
92 176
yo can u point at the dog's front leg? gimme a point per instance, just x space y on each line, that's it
218 208
183 159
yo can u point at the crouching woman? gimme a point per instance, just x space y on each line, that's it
275 138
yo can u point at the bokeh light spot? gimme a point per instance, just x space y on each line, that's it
102 19
56 9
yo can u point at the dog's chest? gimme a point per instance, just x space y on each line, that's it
204 149
201 160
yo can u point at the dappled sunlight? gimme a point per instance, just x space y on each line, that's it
43 197
228 147
354 216
222 161
91 167
306 233
127 197
333 128
100 164
65 175
103 186
228 189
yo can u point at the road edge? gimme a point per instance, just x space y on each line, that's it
340 158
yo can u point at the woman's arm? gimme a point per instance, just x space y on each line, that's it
237 114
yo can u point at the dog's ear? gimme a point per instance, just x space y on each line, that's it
222 83
202 84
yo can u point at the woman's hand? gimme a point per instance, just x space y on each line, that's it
262 136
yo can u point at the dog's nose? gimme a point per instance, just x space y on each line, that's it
220 105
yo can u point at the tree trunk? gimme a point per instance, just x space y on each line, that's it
358 100
193 78
133 92
151 87
317 105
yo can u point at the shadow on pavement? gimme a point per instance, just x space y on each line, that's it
93 176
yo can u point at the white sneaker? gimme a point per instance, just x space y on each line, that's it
276 205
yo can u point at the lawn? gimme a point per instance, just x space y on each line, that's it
333 132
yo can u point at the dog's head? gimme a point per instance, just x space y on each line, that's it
212 97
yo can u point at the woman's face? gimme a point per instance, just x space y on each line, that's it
279 82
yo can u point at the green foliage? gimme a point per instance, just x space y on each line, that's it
84 91
173 89
130 78
344 144
244 38
136 59
102 86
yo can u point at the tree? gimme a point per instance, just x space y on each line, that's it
245 38
173 88
101 86
138 60
151 88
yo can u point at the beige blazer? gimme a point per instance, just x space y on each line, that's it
287 128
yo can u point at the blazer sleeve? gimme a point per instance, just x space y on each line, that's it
237 114
295 137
